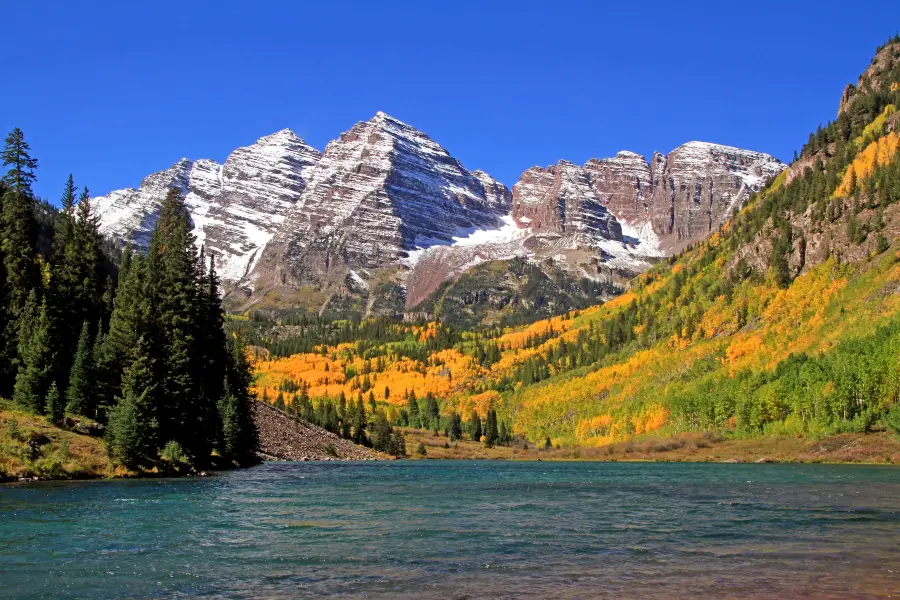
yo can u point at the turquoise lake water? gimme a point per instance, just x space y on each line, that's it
460 529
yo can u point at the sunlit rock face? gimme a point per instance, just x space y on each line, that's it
235 208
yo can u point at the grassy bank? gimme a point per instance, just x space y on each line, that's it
32 447
877 448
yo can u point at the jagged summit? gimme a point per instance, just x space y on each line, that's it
387 207
381 190
235 207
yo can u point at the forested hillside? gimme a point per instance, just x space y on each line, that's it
785 321
129 346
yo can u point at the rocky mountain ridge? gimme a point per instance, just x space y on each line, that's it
385 215
236 207
663 204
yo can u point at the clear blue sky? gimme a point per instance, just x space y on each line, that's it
112 91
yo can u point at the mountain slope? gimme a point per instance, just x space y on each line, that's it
784 321
381 190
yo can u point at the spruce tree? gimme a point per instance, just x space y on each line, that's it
189 416
56 409
8 349
16 155
89 277
35 358
132 433
398 444
18 228
412 407
381 435
432 412
455 426
212 349
63 281
63 235
475 427
359 422
239 434
491 433
79 392
130 320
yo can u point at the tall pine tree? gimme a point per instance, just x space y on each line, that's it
189 416
132 433
18 228
35 357
80 396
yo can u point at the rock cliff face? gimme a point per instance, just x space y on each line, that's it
235 207
380 191
385 215
696 187
560 199
662 205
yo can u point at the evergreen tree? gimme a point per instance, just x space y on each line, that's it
412 408
16 155
7 337
18 228
213 347
504 434
491 434
87 261
35 359
63 281
56 409
63 236
359 422
455 430
130 320
79 392
432 418
381 435
189 416
475 427
398 444
132 433
239 434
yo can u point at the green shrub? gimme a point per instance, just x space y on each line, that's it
892 419
174 453
12 430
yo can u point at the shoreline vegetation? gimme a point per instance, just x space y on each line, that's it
127 345
33 449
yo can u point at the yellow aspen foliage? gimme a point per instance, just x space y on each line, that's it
742 346
806 299
480 403
518 339
878 153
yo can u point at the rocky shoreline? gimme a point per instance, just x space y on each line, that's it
283 438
